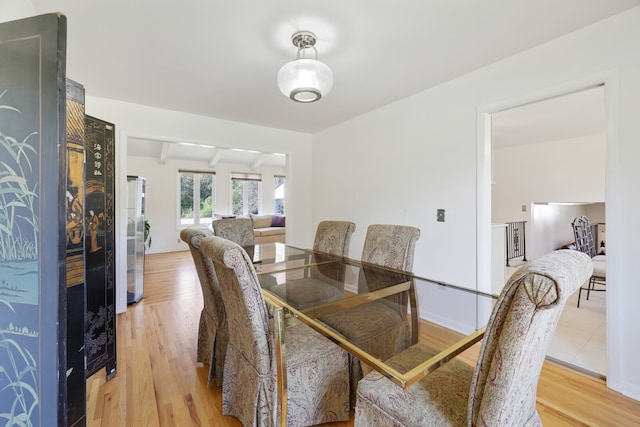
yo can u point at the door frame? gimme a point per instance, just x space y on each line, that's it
610 80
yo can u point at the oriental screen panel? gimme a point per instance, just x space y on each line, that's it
32 221
99 246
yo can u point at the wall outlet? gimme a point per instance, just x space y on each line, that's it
440 215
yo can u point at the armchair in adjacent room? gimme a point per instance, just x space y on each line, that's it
585 243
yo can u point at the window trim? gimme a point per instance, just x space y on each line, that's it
247 177
196 198
275 179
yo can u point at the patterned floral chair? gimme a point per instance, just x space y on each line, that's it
381 326
332 238
238 230
213 334
315 369
501 390
391 246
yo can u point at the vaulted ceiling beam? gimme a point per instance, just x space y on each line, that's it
257 161
217 153
164 154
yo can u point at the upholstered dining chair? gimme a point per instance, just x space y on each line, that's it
501 389
238 230
326 280
314 370
213 335
390 246
585 243
334 237
381 326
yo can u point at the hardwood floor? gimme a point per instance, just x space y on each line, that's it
159 383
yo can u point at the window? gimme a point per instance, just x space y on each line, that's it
279 194
196 198
245 193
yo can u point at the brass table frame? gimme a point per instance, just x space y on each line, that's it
307 315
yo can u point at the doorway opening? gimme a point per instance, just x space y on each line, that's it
548 167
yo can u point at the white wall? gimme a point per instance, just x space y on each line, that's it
568 170
133 120
10 10
400 163
162 194
551 225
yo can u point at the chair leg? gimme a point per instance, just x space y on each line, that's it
592 285
579 295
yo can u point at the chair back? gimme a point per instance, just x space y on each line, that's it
584 236
334 237
238 230
522 323
247 315
211 295
390 246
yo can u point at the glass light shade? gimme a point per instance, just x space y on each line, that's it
305 80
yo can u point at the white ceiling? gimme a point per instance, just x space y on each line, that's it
220 58
570 116
165 150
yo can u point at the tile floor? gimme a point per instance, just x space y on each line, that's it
580 339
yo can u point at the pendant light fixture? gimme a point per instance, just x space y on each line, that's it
305 79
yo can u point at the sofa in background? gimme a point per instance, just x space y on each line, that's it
269 228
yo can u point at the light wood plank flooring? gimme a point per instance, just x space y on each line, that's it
159 383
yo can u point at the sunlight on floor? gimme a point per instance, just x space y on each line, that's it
580 338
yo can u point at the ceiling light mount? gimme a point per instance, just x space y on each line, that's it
303 40
304 79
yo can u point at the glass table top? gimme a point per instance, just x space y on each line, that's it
354 303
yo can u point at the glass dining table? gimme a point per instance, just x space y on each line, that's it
360 306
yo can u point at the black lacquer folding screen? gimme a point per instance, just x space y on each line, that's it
100 246
32 221
75 236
